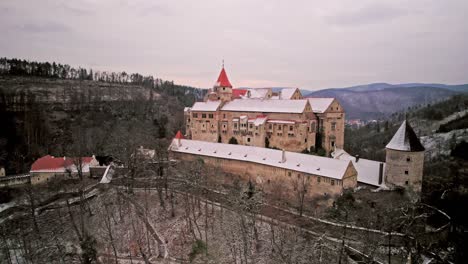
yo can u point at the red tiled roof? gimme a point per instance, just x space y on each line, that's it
237 93
179 135
223 80
52 163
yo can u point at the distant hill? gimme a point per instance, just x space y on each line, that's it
379 100
383 86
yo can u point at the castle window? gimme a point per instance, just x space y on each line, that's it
210 116
291 128
224 115
195 115
270 126
248 139
333 126
203 115
224 88
408 159
318 179
406 182
250 126
406 172
305 140
332 182
312 127
289 173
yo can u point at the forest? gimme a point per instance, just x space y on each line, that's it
42 104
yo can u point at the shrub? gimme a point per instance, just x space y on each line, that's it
199 247
233 141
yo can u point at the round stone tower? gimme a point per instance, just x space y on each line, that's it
222 87
405 159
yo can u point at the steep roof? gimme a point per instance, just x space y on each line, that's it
223 80
209 106
405 139
321 166
56 164
179 135
238 93
265 106
287 93
259 93
320 105
368 170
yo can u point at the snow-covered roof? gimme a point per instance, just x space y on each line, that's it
265 106
209 106
287 93
405 139
320 105
279 121
368 170
187 109
62 164
259 93
321 166
260 120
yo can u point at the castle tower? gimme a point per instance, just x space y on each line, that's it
222 88
405 159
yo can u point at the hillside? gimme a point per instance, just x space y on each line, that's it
383 86
379 103
440 126
55 116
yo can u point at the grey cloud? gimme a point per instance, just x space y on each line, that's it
371 14
45 27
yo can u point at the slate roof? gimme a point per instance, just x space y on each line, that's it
405 139
321 166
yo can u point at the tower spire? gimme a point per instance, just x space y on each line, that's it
223 64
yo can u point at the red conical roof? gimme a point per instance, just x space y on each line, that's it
223 80
179 135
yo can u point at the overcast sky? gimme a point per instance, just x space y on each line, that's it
307 44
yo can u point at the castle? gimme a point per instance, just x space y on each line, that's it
263 118
266 130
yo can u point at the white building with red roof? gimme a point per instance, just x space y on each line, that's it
48 167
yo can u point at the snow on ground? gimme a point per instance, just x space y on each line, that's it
5 206
454 116
441 143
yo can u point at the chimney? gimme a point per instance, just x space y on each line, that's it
357 158
380 173
178 142
283 156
